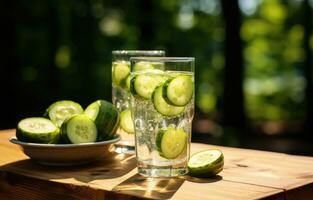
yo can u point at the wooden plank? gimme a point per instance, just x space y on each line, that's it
18 187
23 187
120 176
248 174
276 170
187 188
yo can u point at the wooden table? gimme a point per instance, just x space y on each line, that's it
248 174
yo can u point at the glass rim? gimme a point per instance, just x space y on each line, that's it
162 59
137 52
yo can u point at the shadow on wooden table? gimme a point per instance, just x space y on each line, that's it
204 180
108 167
157 188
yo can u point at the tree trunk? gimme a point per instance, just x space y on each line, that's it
233 100
9 63
308 66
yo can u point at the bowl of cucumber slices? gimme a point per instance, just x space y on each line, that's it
69 135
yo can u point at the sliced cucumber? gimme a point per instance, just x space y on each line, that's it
37 130
128 79
142 66
171 142
162 106
179 90
139 66
126 121
158 140
144 84
79 129
206 163
121 71
60 110
106 117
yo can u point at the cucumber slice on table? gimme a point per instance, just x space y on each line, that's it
121 71
126 121
179 90
37 130
79 129
171 142
60 110
206 163
144 84
162 106
106 117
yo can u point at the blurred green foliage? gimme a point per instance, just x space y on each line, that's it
274 81
64 50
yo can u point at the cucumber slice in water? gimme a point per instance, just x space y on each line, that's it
206 163
121 71
178 91
128 79
142 66
37 130
139 66
171 142
144 84
106 117
126 121
79 129
162 106
60 110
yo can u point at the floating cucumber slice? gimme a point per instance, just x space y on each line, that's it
171 142
106 117
79 129
128 79
60 110
162 106
144 84
206 163
139 66
37 130
126 121
121 71
142 66
179 90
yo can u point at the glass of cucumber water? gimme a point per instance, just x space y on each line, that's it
162 109
121 92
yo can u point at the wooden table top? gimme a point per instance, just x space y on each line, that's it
247 174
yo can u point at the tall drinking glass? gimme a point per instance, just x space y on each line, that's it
162 110
121 95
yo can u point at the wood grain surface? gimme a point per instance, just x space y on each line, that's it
248 174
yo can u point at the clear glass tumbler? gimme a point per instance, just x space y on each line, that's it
162 110
121 95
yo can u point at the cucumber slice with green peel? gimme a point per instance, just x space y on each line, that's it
79 129
178 91
158 140
171 142
206 163
162 106
60 110
105 116
128 79
144 84
121 71
126 121
37 130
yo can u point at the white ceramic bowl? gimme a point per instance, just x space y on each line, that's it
66 154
